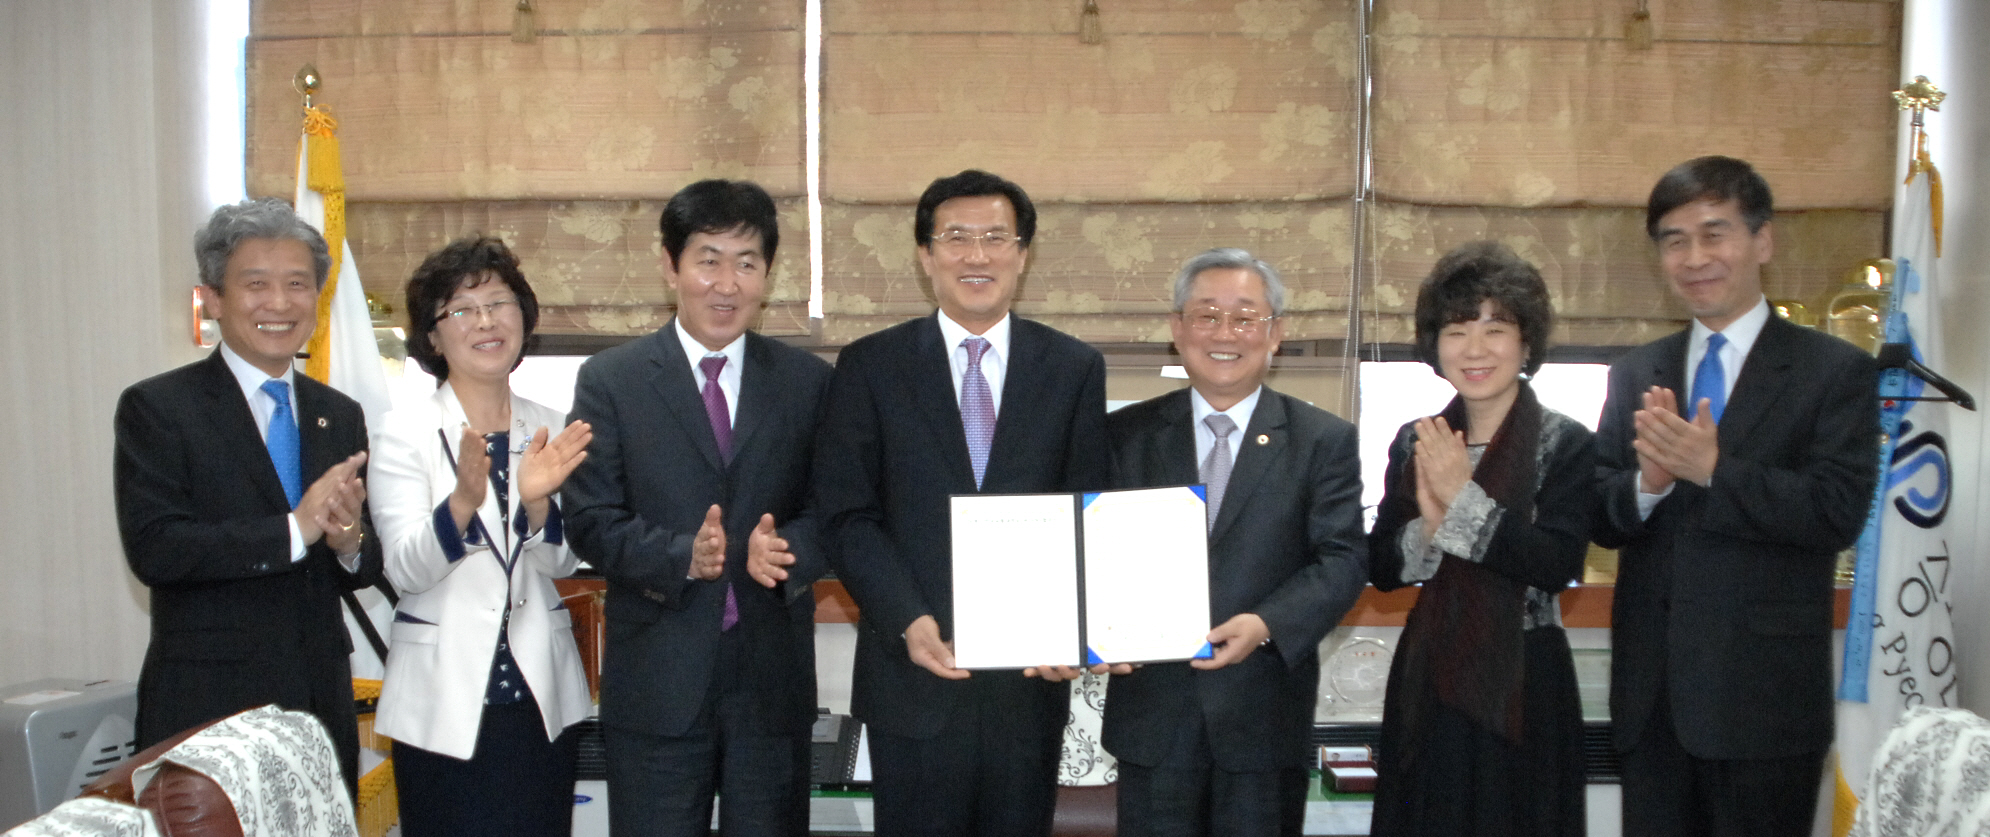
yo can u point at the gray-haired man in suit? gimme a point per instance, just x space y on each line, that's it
241 497
1219 746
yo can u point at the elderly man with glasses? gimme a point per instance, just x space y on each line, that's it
1220 745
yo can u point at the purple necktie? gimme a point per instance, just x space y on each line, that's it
715 410
977 408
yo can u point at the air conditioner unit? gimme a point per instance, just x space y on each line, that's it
60 735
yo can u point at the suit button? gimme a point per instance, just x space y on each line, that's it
519 603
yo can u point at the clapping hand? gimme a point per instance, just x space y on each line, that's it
767 555
330 508
1669 447
473 473
545 466
1442 468
708 549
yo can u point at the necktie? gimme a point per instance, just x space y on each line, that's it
1709 381
977 408
715 405
715 410
282 442
1216 468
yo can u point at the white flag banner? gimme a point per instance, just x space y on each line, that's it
354 368
1900 638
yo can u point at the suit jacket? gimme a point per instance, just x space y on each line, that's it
455 590
1724 596
1287 546
893 450
235 623
634 508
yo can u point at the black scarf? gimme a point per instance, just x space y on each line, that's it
1463 642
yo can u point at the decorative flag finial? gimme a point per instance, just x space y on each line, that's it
1922 95
307 82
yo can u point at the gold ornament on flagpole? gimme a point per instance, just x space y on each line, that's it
1920 97
307 82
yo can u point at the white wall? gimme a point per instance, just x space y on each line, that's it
1943 40
99 197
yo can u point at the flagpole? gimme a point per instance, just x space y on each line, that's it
1921 96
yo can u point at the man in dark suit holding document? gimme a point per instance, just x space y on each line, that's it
968 400
1219 745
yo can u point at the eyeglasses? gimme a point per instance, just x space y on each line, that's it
995 242
1245 322
468 315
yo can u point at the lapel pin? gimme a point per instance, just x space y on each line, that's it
1264 439
324 424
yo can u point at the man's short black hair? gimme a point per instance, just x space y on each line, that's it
1474 273
715 207
465 263
1712 178
973 183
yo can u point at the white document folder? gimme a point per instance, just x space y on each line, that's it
1080 579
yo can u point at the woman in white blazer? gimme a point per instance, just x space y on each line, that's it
483 678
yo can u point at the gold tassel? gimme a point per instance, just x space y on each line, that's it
1637 30
1089 29
524 27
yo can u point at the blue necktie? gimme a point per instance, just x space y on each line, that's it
282 442
1709 381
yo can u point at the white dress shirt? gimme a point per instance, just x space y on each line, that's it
994 362
729 375
262 406
1205 439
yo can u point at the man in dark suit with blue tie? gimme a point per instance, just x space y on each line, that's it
241 497
971 399
1220 746
693 504
1730 506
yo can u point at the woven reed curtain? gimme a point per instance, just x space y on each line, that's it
1530 122
1195 124
564 146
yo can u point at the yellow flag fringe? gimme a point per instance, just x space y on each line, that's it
1923 161
1844 803
324 175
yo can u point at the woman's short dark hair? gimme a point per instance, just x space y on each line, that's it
1474 273
466 263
